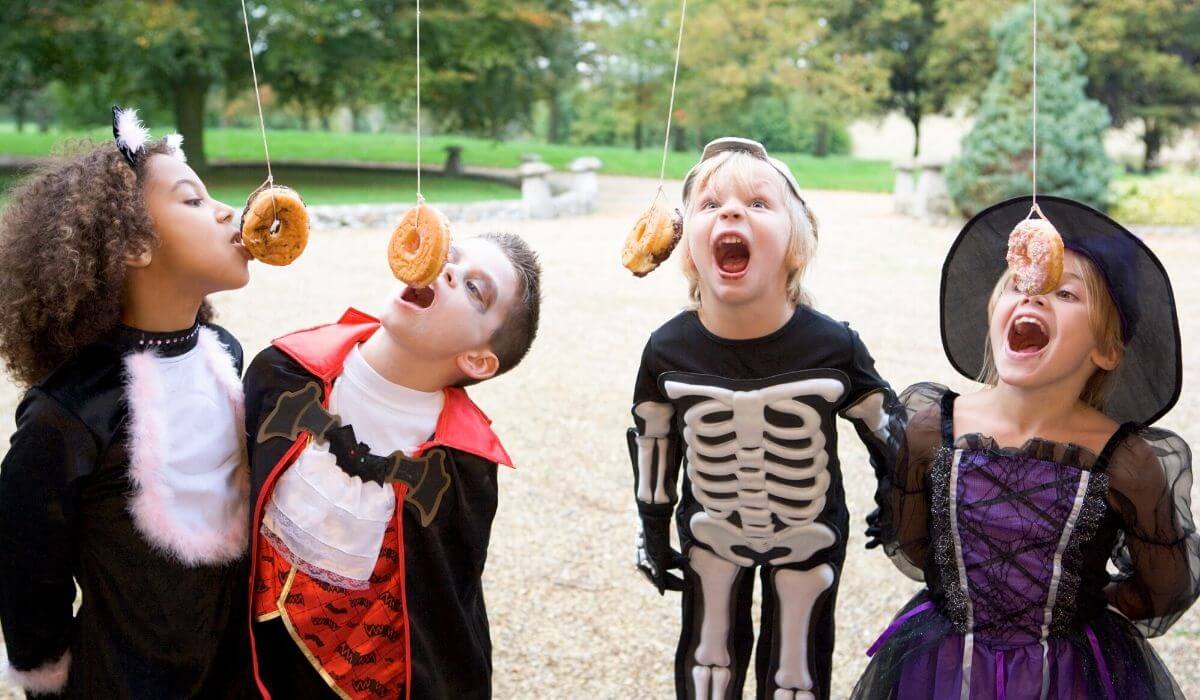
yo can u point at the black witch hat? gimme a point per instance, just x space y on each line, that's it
1148 382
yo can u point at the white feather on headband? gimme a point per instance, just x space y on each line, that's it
131 135
175 144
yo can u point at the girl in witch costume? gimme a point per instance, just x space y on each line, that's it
127 470
744 390
1010 502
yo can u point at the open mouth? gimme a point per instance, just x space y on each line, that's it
732 254
421 297
1027 336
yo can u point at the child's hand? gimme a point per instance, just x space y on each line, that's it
874 529
655 558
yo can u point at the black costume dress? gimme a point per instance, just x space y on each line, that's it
753 423
1013 546
84 498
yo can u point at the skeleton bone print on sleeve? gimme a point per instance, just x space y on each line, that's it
773 475
655 464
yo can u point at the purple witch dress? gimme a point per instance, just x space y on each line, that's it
1013 545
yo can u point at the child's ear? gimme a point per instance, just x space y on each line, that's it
1107 361
478 364
139 259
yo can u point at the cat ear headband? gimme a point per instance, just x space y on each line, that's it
132 136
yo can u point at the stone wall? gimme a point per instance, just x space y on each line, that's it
545 194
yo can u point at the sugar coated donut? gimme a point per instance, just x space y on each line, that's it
419 246
1035 255
275 225
652 239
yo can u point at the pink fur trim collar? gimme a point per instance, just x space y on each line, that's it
150 504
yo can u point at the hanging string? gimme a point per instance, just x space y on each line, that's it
662 171
262 124
1035 106
420 197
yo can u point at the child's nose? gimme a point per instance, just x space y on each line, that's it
224 213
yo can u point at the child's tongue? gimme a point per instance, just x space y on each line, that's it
734 264
733 258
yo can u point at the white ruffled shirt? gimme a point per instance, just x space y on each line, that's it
324 521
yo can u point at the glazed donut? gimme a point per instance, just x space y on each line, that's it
1035 255
419 246
652 239
269 243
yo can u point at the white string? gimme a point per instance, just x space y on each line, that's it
262 124
1035 101
420 197
671 107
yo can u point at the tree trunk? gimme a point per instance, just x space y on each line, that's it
325 124
190 94
1153 141
19 110
821 140
637 135
42 116
916 122
553 130
678 138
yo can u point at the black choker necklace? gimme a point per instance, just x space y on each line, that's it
167 344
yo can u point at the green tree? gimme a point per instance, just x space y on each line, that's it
996 158
1144 64
173 52
484 62
902 36
631 63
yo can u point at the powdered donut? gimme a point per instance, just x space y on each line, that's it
270 243
1035 254
419 246
652 239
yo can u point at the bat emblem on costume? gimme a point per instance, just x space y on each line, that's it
301 411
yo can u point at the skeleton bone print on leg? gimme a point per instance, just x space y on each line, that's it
739 462
797 592
712 672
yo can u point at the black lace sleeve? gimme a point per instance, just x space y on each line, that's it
1158 552
906 539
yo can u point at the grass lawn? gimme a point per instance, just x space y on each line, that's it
834 172
338 186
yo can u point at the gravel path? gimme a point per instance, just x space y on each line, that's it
570 616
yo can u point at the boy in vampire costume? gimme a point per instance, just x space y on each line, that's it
374 485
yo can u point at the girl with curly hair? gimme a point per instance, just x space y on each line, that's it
126 473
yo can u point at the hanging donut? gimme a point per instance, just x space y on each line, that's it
1035 255
652 239
275 225
419 246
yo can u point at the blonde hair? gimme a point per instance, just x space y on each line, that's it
736 168
1105 322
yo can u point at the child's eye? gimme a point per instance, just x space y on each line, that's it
708 204
1067 295
759 203
194 202
473 289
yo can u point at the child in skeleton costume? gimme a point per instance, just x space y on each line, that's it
127 472
743 391
374 485
1009 502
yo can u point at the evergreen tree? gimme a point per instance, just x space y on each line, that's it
996 158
